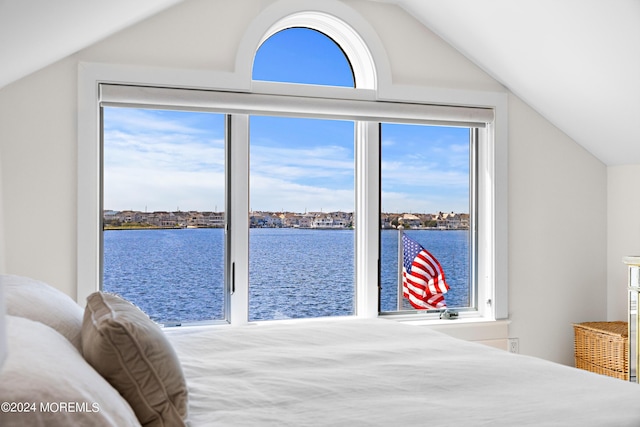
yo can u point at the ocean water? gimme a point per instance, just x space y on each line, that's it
177 275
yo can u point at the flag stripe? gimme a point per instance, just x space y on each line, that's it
435 302
409 290
418 286
433 283
434 269
427 262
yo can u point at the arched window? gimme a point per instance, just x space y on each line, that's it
302 55
300 177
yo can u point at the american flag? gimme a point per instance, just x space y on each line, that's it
423 282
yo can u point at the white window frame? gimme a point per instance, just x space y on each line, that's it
492 268
353 104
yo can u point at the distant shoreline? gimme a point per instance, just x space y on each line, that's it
112 228
153 227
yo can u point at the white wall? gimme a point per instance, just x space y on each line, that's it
38 147
557 191
623 233
557 212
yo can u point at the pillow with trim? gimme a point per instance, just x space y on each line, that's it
131 352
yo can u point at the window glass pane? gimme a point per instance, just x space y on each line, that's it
164 198
301 260
425 179
302 55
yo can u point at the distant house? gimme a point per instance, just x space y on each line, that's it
196 219
305 220
385 221
410 221
110 216
264 220
215 219
322 221
452 221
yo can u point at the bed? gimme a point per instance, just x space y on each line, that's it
334 372
381 372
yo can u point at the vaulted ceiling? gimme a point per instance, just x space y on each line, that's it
577 62
36 33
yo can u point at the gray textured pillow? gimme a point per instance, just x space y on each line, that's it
133 354
48 383
35 300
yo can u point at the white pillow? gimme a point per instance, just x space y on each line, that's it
35 300
46 382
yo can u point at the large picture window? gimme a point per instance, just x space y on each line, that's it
304 178
289 199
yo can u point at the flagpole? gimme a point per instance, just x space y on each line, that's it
400 264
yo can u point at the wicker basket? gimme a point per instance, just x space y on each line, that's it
602 347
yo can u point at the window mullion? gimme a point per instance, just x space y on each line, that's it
491 299
367 217
474 185
238 218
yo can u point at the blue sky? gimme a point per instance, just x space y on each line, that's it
169 160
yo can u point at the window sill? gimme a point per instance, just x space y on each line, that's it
485 331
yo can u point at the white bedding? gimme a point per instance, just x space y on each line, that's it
380 372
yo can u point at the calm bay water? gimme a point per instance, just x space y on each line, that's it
178 276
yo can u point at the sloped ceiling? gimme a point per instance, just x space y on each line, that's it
37 33
577 62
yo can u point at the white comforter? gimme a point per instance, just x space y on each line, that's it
380 372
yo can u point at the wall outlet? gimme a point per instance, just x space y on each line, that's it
514 345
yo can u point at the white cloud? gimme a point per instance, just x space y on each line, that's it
161 164
153 190
299 178
275 194
301 163
166 160
138 121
